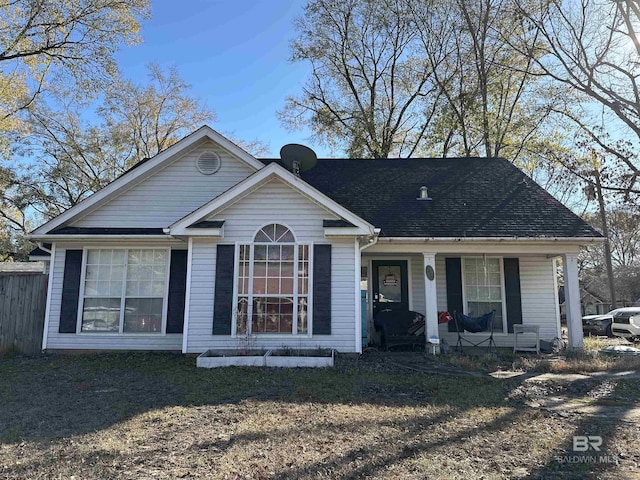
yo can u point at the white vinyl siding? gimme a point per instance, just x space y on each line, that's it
203 277
539 299
416 270
441 283
275 202
168 195
342 304
70 341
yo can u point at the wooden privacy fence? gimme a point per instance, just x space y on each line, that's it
23 298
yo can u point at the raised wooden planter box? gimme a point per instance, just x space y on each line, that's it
270 358
300 358
230 358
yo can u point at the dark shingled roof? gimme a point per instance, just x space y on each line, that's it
208 224
471 197
337 224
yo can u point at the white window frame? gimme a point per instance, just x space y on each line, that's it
251 295
465 300
123 297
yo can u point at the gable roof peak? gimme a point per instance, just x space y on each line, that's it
145 168
267 174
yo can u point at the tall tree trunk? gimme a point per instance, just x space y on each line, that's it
607 245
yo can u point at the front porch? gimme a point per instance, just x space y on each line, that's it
516 279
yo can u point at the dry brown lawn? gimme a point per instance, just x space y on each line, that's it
587 361
136 416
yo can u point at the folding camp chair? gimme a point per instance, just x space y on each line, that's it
481 324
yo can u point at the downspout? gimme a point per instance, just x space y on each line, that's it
369 240
187 300
43 248
47 310
372 239
46 268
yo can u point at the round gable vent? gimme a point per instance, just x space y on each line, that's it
208 162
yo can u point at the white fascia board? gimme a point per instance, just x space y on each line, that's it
54 238
344 231
39 258
524 247
144 169
575 240
205 232
254 182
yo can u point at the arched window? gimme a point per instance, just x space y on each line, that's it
273 284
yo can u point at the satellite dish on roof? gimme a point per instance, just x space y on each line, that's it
298 157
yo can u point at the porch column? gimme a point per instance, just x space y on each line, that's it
572 301
430 296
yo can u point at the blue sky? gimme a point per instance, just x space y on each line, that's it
235 54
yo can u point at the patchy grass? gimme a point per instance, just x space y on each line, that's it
583 362
587 361
483 362
597 343
140 415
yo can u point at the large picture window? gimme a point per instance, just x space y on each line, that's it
273 284
124 290
483 291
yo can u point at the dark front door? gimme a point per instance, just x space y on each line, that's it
390 285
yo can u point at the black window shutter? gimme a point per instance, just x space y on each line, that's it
453 269
512 292
70 291
223 298
322 289
177 291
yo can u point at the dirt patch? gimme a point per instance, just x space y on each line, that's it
575 393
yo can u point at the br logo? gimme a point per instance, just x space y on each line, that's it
582 443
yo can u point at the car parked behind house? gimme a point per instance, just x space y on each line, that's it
598 324
626 323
